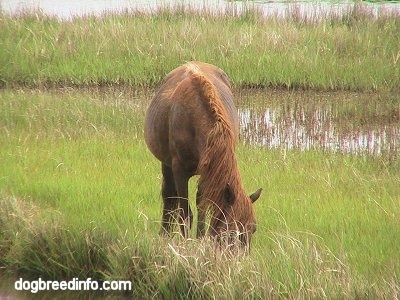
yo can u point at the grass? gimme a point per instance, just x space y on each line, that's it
80 197
355 51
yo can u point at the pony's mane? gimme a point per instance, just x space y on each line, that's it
218 165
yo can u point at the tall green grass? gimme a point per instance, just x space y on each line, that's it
80 197
355 51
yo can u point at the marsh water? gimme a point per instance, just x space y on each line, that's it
359 123
345 122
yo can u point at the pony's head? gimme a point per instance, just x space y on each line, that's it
235 224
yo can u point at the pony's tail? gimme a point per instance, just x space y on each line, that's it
208 93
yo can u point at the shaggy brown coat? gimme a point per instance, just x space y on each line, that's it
192 127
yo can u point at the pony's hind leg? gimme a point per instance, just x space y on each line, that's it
170 200
181 183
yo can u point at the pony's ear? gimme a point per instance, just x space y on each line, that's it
229 196
255 195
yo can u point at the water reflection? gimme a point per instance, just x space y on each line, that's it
340 122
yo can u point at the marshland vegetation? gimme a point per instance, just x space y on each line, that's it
79 191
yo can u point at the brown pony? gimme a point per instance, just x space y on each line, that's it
192 127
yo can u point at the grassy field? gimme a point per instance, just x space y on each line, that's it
80 197
351 52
